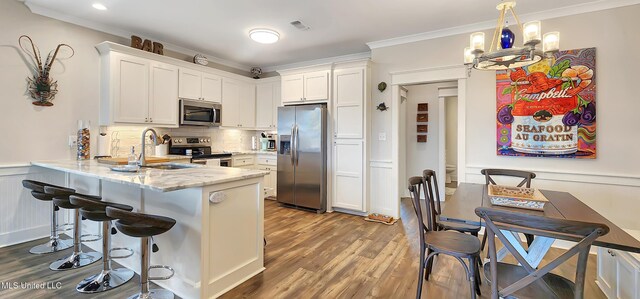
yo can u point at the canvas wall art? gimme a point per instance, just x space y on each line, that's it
548 109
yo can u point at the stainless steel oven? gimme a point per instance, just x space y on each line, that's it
200 113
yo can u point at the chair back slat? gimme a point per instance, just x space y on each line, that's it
431 187
553 227
526 176
426 216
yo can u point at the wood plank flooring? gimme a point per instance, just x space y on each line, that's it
330 255
336 255
17 265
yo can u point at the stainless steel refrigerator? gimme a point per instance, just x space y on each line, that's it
302 156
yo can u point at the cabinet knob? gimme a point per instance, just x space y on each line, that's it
146 119
150 119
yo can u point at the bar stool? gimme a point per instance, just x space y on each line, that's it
108 278
78 258
54 244
144 226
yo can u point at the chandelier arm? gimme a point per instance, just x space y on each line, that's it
498 30
515 16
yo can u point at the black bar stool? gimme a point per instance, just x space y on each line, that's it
144 226
54 244
108 278
78 258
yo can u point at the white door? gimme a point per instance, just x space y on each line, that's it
275 104
349 102
347 175
316 86
607 271
264 105
190 84
230 102
247 105
628 277
163 98
131 89
292 88
211 88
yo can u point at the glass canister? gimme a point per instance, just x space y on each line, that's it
84 139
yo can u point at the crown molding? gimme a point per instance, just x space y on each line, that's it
43 11
490 24
318 62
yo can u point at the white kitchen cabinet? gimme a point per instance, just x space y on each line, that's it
267 102
349 100
306 87
130 88
269 180
138 91
618 274
348 175
238 104
201 86
163 94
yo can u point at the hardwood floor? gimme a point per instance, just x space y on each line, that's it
331 255
17 265
336 255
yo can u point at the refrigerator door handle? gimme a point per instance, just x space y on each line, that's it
297 144
293 144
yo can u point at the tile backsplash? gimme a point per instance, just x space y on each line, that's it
122 138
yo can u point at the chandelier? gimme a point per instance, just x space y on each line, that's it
502 54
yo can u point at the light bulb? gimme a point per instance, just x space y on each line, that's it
551 42
531 32
476 41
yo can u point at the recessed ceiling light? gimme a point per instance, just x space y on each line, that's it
99 6
264 36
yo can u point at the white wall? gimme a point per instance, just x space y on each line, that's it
451 132
611 183
421 156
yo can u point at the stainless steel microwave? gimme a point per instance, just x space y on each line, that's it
200 113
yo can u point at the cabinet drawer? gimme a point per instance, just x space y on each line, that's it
243 161
273 161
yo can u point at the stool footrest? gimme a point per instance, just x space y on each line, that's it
64 227
173 272
95 237
113 257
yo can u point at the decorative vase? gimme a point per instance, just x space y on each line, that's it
84 139
507 38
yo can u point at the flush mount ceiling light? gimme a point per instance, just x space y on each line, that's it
502 54
264 36
99 6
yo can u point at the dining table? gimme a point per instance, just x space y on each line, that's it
468 196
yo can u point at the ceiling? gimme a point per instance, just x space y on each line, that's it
338 27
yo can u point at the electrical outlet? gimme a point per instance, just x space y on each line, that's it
72 140
382 136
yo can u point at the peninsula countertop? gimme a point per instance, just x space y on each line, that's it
161 180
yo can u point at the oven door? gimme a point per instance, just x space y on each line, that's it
225 162
199 113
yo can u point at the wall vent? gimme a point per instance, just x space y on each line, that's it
300 25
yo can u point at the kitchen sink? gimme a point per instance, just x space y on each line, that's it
169 166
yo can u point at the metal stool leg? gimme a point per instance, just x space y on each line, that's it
145 260
78 258
54 244
109 278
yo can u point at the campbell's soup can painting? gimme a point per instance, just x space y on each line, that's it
548 109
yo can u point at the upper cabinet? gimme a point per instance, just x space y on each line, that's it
267 102
138 91
202 86
305 87
238 104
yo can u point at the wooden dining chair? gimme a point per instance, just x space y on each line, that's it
526 176
524 281
433 242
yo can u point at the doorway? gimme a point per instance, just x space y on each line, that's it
401 80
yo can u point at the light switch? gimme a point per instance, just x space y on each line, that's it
382 136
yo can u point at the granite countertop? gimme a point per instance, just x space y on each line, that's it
154 179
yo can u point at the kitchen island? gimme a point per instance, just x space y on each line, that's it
217 242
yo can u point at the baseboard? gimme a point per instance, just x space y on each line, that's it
24 235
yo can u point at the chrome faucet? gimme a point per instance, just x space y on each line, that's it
154 137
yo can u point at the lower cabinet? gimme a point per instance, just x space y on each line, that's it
348 172
270 180
261 162
618 274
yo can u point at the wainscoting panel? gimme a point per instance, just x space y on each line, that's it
22 217
382 199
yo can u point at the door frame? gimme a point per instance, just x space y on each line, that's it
443 92
457 73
